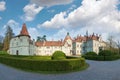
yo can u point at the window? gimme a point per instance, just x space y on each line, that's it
21 40
55 47
16 43
81 46
77 51
77 45
12 43
47 47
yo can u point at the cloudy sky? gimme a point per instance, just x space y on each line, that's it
54 18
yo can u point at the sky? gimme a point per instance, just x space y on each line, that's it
54 18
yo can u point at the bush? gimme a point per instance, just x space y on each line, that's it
91 53
106 53
58 55
44 65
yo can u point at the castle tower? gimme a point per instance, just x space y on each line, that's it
22 44
67 45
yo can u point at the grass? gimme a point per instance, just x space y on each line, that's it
29 57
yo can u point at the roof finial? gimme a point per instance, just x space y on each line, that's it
67 33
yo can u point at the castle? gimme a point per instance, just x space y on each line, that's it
23 45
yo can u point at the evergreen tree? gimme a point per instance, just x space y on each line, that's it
44 37
8 35
1 42
41 38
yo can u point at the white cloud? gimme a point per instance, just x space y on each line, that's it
2 5
58 35
56 22
51 2
71 8
35 6
33 32
31 10
14 25
100 16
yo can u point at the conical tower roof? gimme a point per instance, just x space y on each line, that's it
24 31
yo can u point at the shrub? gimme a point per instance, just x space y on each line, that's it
58 55
106 53
44 65
91 53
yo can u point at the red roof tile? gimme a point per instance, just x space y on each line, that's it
49 43
24 30
85 38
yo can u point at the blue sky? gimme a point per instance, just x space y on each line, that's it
54 18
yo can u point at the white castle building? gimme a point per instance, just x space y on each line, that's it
23 45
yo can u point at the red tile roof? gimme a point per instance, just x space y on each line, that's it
24 31
49 43
85 38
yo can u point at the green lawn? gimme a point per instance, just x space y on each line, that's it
29 57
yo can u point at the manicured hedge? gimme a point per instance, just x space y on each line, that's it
105 55
44 65
102 58
58 55
91 53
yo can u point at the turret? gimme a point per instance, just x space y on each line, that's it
24 31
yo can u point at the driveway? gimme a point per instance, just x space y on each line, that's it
98 70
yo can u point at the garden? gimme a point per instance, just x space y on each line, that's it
57 63
105 55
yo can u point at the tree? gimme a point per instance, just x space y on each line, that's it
118 45
1 42
112 44
41 38
44 37
38 38
110 40
8 35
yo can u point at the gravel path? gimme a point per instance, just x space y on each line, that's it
98 70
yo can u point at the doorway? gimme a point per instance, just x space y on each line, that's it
17 52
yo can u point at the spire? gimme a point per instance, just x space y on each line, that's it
24 31
87 33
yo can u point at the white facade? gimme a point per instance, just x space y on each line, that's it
49 47
23 45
